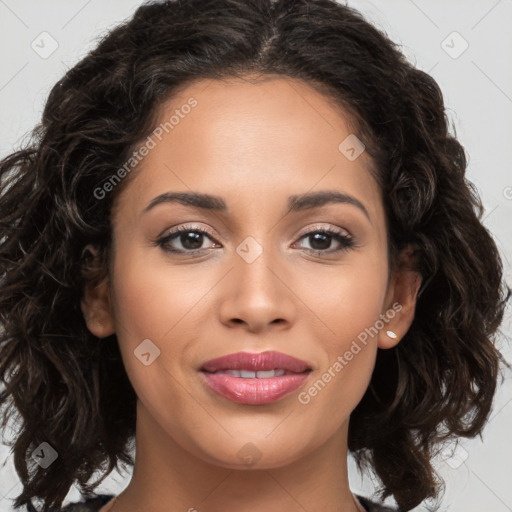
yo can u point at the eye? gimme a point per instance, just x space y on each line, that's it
190 238
320 241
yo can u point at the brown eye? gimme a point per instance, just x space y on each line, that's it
321 240
190 239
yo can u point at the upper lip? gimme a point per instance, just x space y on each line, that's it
262 361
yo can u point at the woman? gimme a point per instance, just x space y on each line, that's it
243 239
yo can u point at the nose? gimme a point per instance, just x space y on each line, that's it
258 295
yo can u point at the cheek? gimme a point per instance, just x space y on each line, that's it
164 304
145 308
348 303
153 300
346 299
151 303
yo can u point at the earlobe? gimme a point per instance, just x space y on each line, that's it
402 294
388 339
95 302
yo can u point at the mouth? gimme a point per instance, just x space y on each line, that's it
252 378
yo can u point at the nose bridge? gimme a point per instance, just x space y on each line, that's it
254 266
258 296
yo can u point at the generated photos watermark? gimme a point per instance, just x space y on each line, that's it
343 360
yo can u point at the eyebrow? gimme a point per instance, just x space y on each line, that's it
295 202
321 198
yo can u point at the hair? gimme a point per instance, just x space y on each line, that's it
68 388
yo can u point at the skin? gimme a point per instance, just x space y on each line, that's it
253 144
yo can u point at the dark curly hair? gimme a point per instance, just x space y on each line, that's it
70 389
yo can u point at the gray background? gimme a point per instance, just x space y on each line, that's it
477 86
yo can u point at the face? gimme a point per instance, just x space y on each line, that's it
255 270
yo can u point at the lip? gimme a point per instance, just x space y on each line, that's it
261 361
255 391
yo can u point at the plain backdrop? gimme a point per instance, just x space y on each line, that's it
465 45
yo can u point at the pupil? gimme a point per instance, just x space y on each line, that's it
323 239
191 240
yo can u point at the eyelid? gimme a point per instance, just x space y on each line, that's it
312 229
320 227
189 227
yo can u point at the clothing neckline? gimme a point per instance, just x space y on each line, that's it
95 503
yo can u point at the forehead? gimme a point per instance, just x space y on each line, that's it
253 140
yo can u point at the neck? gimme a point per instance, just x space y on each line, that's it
169 476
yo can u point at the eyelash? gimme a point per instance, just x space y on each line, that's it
346 241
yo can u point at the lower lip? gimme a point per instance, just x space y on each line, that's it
254 391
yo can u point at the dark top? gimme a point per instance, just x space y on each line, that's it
94 504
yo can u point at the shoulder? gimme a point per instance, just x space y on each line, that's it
371 506
85 505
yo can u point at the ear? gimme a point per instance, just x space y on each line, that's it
96 305
400 299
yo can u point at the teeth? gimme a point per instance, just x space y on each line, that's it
247 374
269 373
234 373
